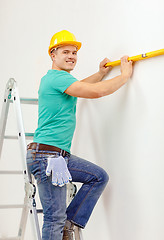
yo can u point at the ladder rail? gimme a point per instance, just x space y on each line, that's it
4 111
20 127
27 177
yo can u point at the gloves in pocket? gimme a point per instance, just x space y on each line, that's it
60 173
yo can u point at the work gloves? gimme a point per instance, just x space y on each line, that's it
60 172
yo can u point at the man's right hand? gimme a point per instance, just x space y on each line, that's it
126 67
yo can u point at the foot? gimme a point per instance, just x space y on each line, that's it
68 233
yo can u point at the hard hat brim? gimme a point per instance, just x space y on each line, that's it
74 43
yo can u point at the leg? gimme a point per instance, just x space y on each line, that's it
53 198
94 180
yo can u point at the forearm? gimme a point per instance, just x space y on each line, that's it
97 77
96 90
110 86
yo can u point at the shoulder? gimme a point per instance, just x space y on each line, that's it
64 74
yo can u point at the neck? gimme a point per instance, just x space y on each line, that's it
55 67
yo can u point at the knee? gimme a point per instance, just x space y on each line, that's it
104 177
55 218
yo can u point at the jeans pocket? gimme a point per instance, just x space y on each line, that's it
36 166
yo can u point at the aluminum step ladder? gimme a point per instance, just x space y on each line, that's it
29 206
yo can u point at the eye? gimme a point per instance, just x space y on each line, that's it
65 52
74 53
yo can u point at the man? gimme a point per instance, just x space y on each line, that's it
48 157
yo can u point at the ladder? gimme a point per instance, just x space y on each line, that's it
29 206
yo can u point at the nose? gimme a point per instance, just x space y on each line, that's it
71 55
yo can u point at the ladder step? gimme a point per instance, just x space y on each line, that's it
27 135
11 206
11 172
29 101
39 211
18 206
33 101
10 137
10 238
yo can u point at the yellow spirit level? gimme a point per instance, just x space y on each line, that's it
137 58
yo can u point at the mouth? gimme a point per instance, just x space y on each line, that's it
70 62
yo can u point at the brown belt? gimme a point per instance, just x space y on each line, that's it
45 147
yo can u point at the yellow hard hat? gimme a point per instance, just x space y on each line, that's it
63 37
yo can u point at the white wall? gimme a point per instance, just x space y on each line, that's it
123 132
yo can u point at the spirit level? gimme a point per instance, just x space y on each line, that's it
138 57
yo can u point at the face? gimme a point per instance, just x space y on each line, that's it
65 58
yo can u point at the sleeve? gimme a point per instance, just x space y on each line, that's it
63 80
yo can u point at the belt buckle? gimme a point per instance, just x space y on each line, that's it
29 146
63 152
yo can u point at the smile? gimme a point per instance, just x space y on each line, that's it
70 61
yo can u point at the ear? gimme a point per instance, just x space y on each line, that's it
53 56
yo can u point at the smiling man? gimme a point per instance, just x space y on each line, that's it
48 157
67 60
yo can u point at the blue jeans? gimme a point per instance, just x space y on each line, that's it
53 198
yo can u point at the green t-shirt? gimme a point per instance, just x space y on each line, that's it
57 110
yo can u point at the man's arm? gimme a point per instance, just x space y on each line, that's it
100 89
97 77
